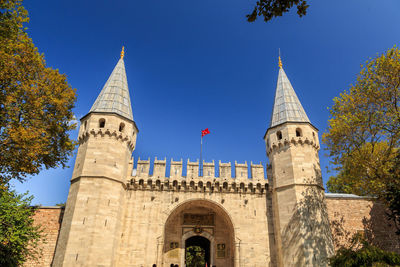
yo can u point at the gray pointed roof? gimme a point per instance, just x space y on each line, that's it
114 97
287 107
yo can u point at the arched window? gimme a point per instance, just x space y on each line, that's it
102 123
279 135
313 135
85 125
121 126
298 132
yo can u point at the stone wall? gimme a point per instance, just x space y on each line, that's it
50 219
350 214
144 238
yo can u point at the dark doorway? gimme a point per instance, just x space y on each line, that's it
197 252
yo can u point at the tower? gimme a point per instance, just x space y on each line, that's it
91 226
301 225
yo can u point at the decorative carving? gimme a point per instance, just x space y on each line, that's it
198 230
198 219
221 250
173 245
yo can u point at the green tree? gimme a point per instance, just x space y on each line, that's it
362 254
35 117
363 135
195 256
18 235
35 102
269 9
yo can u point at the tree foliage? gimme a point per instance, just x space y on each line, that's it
268 9
195 256
18 235
362 254
35 102
363 135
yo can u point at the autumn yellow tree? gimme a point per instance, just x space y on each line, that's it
35 102
363 136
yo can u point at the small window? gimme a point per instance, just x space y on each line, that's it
121 126
85 125
298 132
313 135
102 123
279 135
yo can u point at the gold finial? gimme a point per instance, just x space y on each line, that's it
280 61
122 53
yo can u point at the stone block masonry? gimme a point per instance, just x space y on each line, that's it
354 214
49 218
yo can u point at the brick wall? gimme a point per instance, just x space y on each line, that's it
50 219
349 215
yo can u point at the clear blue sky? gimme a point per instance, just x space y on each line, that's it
198 64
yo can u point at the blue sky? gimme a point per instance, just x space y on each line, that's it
198 64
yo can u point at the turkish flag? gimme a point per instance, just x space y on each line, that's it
204 132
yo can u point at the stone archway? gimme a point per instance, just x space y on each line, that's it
202 218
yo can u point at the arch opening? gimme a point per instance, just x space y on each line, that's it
197 251
102 123
279 135
193 222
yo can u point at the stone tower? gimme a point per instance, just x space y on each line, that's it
301 226
90 230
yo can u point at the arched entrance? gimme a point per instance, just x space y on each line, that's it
197 251
204 226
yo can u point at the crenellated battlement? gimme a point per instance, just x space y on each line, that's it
281 144
245 180
84 135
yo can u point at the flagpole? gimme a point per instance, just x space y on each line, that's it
201 151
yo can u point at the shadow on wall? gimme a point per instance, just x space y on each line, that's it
270 223
307 238
377 229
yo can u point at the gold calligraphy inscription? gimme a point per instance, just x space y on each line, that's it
198 219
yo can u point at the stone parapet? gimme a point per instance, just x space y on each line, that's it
242 183
192 182
200 184
159 167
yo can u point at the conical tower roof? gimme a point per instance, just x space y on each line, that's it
114 97
287 107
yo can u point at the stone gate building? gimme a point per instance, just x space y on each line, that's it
117 214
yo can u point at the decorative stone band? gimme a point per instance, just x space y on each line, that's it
103 132
283 144
198 185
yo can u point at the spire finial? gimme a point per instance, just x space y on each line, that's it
280 61
122 52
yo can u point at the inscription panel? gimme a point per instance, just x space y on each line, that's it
198 219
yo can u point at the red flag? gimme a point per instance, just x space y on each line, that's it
204 132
